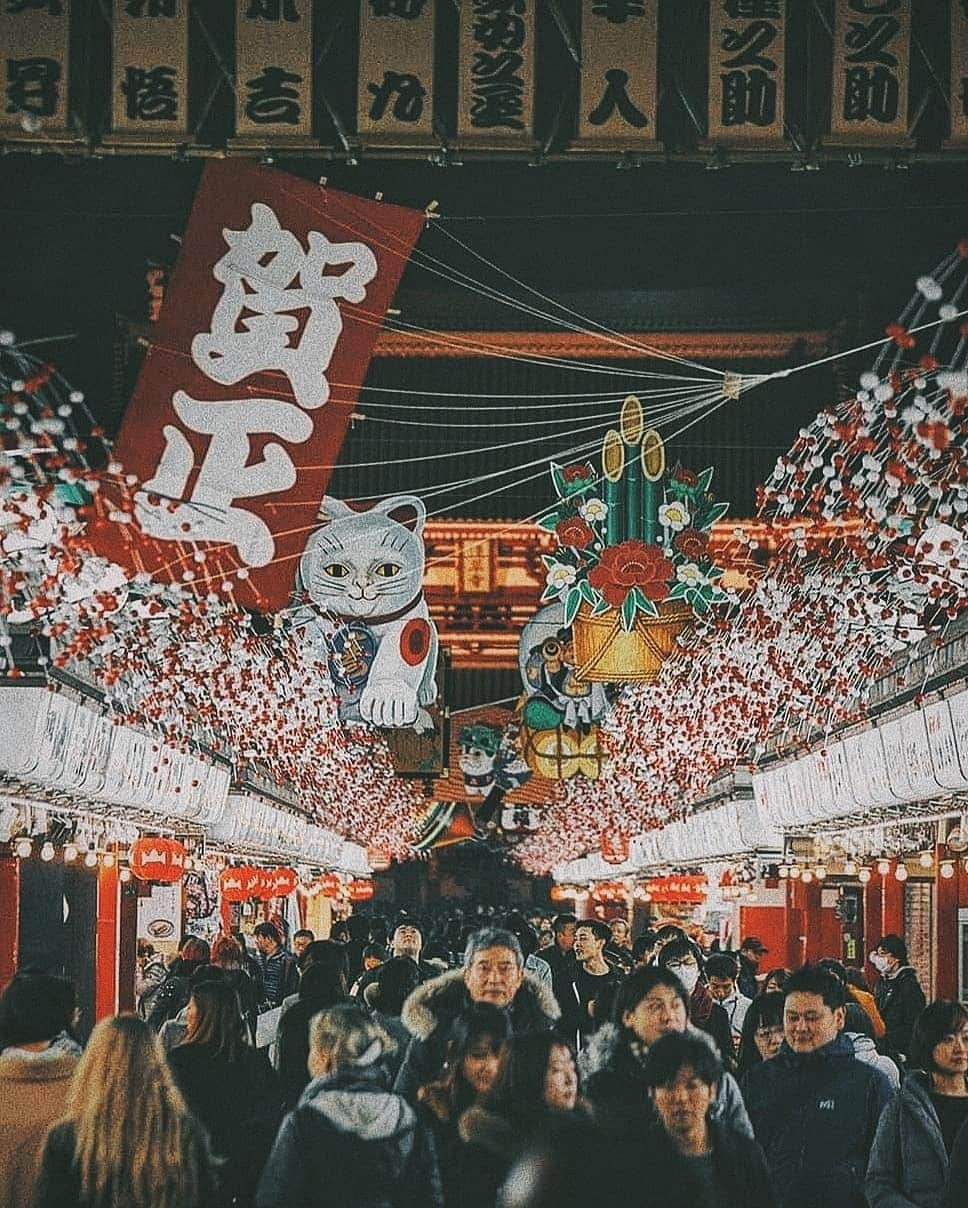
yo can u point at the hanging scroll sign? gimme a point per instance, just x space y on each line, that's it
496 74
231 434
619 70
872 51
395 97
149 65
35 57
274 73
747 48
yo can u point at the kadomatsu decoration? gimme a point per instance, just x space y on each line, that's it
633 564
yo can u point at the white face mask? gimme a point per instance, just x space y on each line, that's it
879 962
688 976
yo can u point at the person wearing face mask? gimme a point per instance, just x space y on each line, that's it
910 1160
898 995
685 960
652 1002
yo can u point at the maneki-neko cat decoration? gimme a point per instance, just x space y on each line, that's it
633 563
360 584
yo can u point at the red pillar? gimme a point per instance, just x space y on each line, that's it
892 905
107 942
950 892
10 913
797 924
873 923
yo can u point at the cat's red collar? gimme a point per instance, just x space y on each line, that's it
383 619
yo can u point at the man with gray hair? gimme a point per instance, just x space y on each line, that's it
493 973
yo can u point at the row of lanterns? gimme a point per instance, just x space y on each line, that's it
165 861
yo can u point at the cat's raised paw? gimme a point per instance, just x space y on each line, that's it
389 703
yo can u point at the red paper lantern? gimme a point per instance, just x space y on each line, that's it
330 884
361 891
158 860
253 881
686 889
615 845
231 885
379 858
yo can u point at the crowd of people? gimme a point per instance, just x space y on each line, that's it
486 1062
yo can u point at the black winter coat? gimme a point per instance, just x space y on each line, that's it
429 1015
59 1179
351 1142
662 1178
816 1115
900 1001
240 1104
958 1171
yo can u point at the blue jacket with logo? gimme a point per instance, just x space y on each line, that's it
816 1115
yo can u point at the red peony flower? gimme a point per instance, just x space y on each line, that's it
578 471
685 476
631 564
691 543
575 532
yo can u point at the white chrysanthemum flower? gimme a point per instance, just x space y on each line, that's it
691 575
561 575
593 509
674 516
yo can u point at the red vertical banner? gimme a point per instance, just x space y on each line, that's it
10 913
106 942
241 407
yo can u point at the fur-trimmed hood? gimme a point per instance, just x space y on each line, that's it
492 1132
439 1001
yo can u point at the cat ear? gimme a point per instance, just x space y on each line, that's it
334 509
406 510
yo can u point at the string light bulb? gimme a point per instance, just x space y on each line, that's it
806 876
864 876
124 875
926 859
883 866
90 857
947 869
23 847
850 868
108 859
901 872
47 851
820 872
70 853
795 871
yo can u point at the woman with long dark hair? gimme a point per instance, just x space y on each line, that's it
536 1082
230 1087
473 1060
126 1136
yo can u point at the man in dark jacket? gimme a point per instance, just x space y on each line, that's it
750 951
586 994
493 973
280 974
815 1107
898 995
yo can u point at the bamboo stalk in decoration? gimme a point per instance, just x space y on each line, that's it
653 468
613 466
632 424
